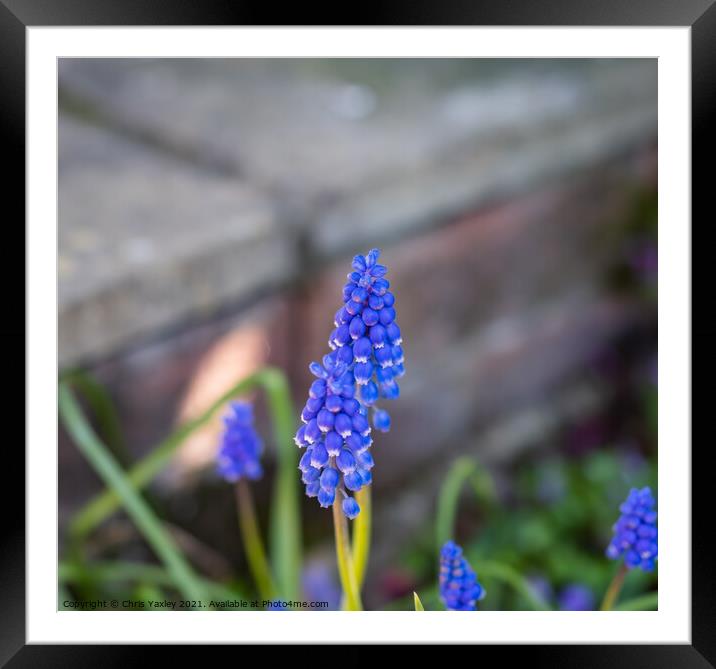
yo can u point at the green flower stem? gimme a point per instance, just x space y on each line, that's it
346 569
285 521
118 572
361 538
506 574
255 554
361 534
139 511
612 593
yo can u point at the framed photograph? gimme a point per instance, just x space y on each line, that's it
385 326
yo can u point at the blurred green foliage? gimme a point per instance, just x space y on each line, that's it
553 528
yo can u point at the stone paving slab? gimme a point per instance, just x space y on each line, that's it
319 131
146 241
187 185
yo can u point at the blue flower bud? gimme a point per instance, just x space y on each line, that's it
393 335
380 286
361 425
345 461
363 372
381 420
384 357
325 420
365 460
378 335
317 370
370 316
357 327
359 295
342 317
353 308
305 462
362 349
350 507
317 389
319 456
333 443
334 403
354 442
330 478
387 316
343 424
326 497
369 393
350 406
353 480
313 432
341 335
376 303
390 390
311 474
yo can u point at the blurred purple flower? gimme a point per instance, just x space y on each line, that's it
644 260
241 446
541 587
576 597
320 583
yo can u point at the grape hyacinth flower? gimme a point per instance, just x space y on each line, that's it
635 534
364 363
335 434
366 322
238 462
459 587
241 446
635 539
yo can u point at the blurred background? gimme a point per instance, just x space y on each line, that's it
208 212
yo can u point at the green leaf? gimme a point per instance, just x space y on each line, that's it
509 576
463 470
102 406
139 511
648 602
285 530
285 519
118 572
418 603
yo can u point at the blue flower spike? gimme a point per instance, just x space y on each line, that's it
366 359
459 587
635 533
241 447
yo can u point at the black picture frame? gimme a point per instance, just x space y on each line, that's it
17 15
